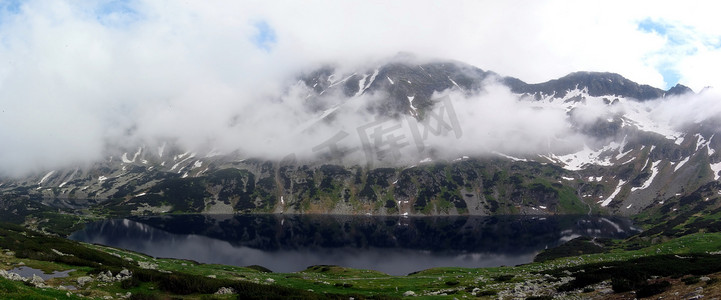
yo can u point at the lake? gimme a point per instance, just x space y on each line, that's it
393 245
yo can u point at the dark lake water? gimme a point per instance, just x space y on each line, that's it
393 245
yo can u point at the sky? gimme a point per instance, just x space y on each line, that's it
75 75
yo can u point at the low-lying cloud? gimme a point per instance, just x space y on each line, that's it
78 79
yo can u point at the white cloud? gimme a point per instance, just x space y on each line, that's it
76 74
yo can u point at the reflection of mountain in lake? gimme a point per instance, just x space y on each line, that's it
394 245
503 234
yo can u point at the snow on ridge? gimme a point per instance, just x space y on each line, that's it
373 78
700 141
681 163
182 161
140 150
161 149
510 157
212 153
361 85
410 102
654 172
608 200
716 168
628 161
461 158
125 159
390 80
639 118
340 81
454 83
579 160
180 156
46 177
621 154
575 92
425 160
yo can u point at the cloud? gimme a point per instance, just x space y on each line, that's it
78 77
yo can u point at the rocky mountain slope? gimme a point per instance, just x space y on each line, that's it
629 160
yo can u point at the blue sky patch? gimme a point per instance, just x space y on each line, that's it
264 37
678 45
673 35
670 76
117 13
648 25
11 6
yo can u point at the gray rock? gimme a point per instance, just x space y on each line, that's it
11 276
409 294
84 280
225 291
125 273
36 280
106 276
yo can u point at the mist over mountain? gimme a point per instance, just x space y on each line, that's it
400 136
492 114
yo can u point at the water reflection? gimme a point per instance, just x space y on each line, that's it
394 245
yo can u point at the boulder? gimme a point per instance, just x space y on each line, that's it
225 291
106 276
84 280
36 280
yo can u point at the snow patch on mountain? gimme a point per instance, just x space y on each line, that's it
654 172
608 200
161 149
454 83
716 168
414 110
581 159
46 177
681 163
510 157
363 85
701 143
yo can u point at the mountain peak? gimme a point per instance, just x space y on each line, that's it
597 84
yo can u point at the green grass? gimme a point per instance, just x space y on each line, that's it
569 202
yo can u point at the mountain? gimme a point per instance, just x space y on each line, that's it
616 155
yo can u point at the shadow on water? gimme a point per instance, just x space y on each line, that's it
394 245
